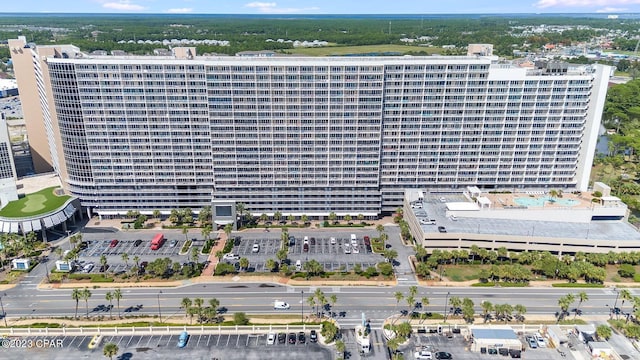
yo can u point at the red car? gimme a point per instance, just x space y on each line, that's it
114 243
367 241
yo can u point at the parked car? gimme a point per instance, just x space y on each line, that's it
230 256
292 338
144 264
423 355
280 305
347 248
271 339
532 342
443 355
541 342
137 243
282 338
367 241
83 245
298 265
173 243
183 339
313 241
355 250
114 243
255 248
292 240
442 229
313 336
305 247
443 199
88 267
301 338
332 241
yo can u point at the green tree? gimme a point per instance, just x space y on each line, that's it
603 331
185 304
109 297
340 347
487 308
85 294
244 263
110 350
227 231
282 255
117 295
582 297
76 295
185 232
240 318
198 302
333 217
103 262
398 296
125 258
277 216
270 265
206 232
157 214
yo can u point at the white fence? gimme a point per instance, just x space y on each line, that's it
156 330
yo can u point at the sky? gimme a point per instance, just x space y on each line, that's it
322 6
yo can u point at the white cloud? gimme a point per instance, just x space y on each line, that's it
123 5
261 5
180 10
611 10
583 3
272 8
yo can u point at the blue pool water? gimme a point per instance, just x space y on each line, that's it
540 201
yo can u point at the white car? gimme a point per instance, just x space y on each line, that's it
256 248
453 218
230 256
355 250
347 248
332 241
280 305
354 242
423 355
541 342
271 339
443 199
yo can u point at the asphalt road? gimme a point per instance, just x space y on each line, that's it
376 303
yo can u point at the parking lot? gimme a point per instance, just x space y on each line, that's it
319 248
458 347
99 244
208 346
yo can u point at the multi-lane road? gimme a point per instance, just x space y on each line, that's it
376 303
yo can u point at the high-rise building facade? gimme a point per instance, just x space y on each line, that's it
311 135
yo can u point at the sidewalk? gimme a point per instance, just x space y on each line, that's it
213 260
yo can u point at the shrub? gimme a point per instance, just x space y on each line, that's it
240 318
224 268
385 268
626 271
636 277
370 272
228 246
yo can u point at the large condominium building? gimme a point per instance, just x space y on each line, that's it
304 135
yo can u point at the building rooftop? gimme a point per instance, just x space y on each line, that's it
494 333
506 217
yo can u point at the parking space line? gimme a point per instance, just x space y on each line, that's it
208 340
159 340
238 340
149 342
228 339
138 343
129 342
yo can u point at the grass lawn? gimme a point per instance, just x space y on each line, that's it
37 203
463 272
364 49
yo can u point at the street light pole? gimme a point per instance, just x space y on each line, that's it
69 240
446 299
4 314
302 306
159 311
615 304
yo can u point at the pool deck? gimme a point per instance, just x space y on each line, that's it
508 200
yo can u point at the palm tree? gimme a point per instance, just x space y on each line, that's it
603 331
76 295
85 294
487 307
333 299
455 303
185 232
214 303
110 350
125 258
198 302
117 295
393 344
109 297
244 263
332 217
340 347
520 311
380 229
186 304
270 264
156 214
311 300
206 231
103 262
398 296
582 296
227 230
304 218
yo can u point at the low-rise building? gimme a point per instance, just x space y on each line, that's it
494 337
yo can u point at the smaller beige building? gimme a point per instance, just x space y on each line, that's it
494 337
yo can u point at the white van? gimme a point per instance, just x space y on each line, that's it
298 265
280 305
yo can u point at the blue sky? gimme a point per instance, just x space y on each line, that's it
323 6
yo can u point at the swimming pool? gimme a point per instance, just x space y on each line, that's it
540 201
